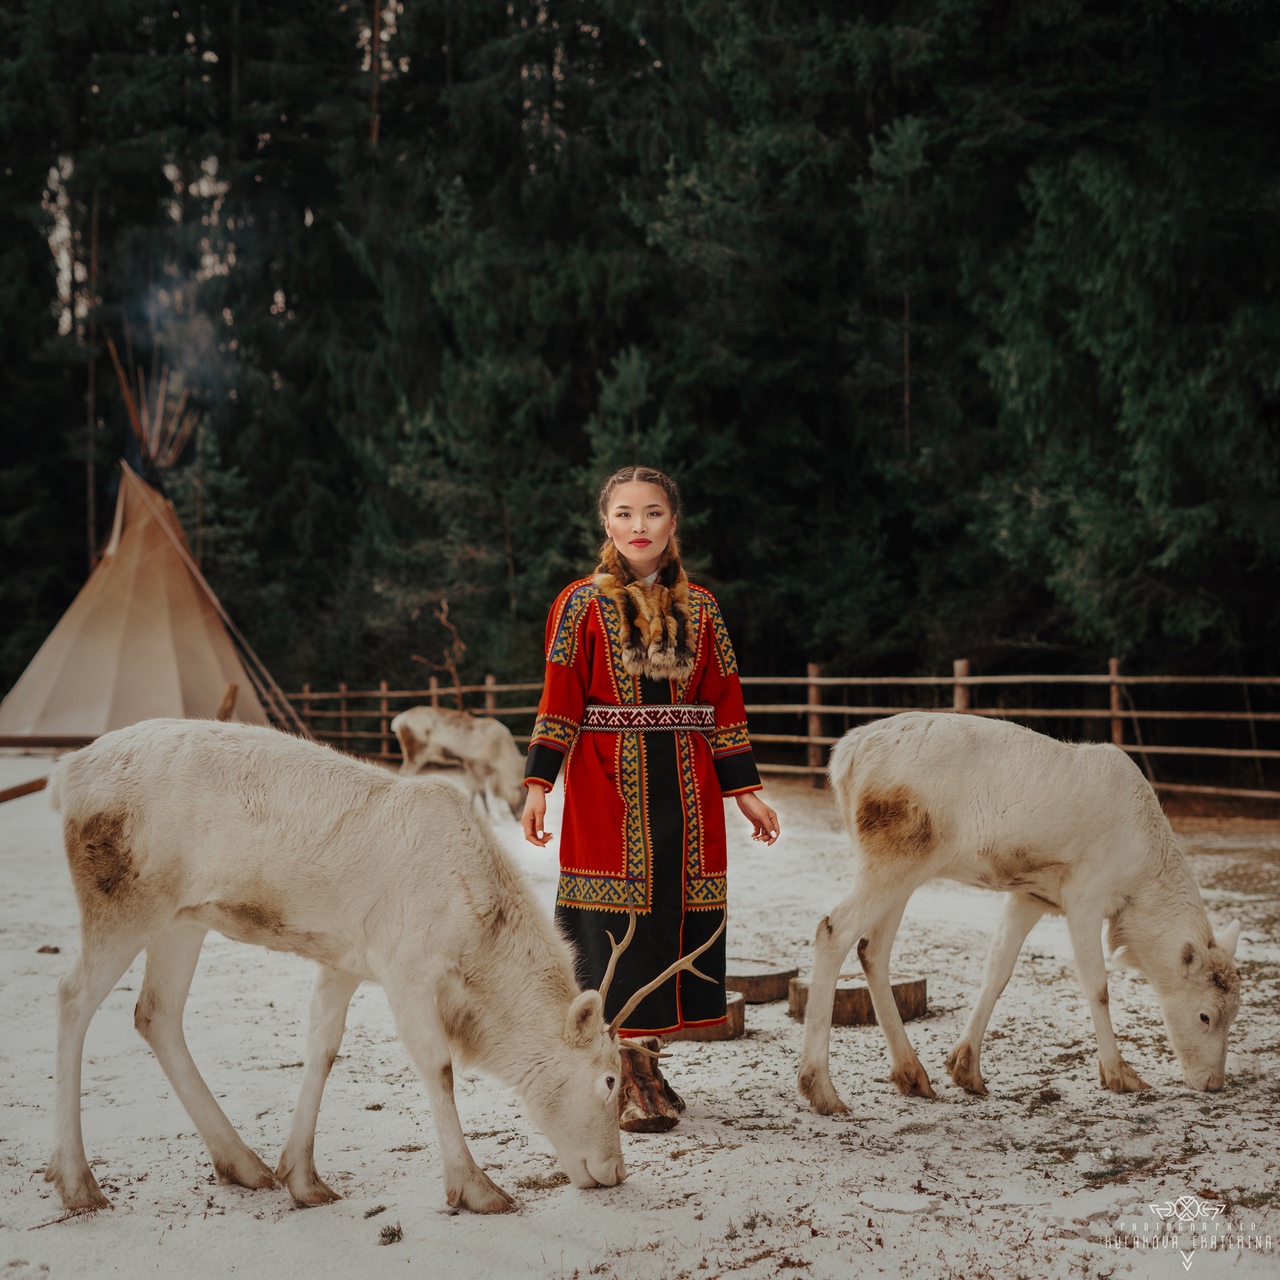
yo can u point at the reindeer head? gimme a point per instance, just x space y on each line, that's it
1201 1006
1199 992
576 1102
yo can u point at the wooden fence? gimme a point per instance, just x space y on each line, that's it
1216 744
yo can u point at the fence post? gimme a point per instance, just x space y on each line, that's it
384 743
306 706
960 692
815 723
1117 724
490 698
344 722
433 684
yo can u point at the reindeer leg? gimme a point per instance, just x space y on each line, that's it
836 933
172 956
466 1185
1020 916
906 1073
1086 940
80 992
297 1167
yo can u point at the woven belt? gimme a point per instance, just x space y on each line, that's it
694 717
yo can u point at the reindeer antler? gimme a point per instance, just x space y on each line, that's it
618 949
685 963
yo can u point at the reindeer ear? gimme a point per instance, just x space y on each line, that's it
1230 937
585 1019
1123 958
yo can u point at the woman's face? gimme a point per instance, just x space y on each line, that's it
640 523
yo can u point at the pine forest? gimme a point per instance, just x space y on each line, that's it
956 320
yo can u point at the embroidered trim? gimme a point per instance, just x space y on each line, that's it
630 784
724 649
692 815
730 740
599 893
701 893
696 612
650 717
707 894
555 731
624 683
563 648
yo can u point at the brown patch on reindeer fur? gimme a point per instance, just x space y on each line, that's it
262 925
1104 997
253 916
862 955
892 822
1224 975
461 1025
99 855
446 1078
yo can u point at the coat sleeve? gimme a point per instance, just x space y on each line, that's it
718 685
564 687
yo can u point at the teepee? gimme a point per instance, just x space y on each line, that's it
146 636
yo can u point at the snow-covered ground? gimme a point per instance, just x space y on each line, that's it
1040 1179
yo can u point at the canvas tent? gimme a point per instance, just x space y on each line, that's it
145 637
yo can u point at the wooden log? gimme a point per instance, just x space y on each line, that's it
733 1028
23 789
759 981
853 1001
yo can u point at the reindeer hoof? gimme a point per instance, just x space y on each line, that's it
962 1067
305 1187
246 1170
817 1087
912 1079
314 1193
1120 1078
479 1193
79 1194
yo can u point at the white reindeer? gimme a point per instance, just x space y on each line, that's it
484 747
175 827
1065 828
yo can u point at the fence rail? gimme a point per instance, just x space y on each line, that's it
1221 738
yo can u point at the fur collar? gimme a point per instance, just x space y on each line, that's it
657 639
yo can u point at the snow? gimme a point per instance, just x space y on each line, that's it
1040 1179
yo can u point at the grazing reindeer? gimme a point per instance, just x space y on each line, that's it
175 827
1066 828
485 749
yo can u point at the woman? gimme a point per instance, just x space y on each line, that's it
643 709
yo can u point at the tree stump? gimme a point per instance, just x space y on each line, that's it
853 1001
732 1028
759 981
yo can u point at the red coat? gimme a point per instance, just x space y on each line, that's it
606 854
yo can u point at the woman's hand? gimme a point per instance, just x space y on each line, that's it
764 822
534 815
